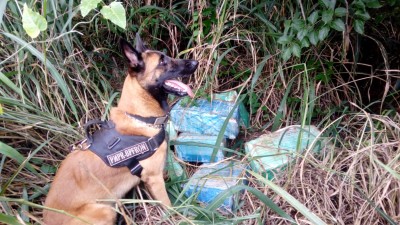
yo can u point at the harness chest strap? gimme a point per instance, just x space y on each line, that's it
149 121
117 150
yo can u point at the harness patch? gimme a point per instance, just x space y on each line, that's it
127 153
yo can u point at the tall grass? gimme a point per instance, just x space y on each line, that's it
73 72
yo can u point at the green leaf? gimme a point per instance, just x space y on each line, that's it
301 34
339 12
391 2
313 37
115 12
87 5
359 26
323 77
298 24
373 4
284 39
48 169
329 4
287 24
305 43
313 17
33 22
1 110
358 4
323 33
332 4
326 3
296 50
364 15
287 53
338 25
327 16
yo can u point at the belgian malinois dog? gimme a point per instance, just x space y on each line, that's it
84 179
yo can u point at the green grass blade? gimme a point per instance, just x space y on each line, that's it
387 168
24 208
263 198
270 26
314 219
255 77
53 71
7 219
3 5
258 72
282 105
109 105
10 84
14 154
30 204
220 58
23 164
17 103
223 128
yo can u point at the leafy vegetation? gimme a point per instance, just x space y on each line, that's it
334 64
314 28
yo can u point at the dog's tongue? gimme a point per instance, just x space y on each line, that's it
180 85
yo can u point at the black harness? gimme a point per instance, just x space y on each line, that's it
118 150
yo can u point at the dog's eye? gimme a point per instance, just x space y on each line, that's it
162 61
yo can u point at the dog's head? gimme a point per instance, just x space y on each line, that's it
157 73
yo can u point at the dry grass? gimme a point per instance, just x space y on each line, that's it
355 181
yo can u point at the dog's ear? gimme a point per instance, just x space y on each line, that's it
132 55
140 47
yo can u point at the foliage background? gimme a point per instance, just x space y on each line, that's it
345 80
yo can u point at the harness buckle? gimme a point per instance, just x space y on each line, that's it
161 120
82 146
79 145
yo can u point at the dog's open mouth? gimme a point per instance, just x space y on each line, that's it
178 88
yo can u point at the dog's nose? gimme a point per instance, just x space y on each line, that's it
192 64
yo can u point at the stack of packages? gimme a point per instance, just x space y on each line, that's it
203 128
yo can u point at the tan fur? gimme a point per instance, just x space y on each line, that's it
83 178
150 75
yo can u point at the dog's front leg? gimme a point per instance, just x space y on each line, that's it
156 185
95 214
